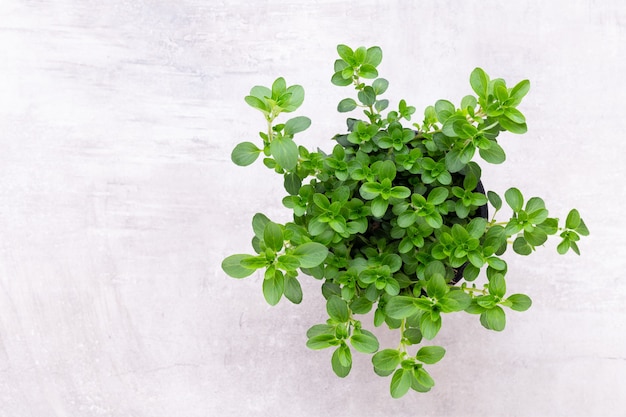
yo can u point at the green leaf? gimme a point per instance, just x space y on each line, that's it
437 287
494 154
279 87
468 102
521 246
514 198
479 82
387 359
245 154
517 128
400 307
400 383
346 53
273 287
494 319
518 92
257 103
292 183
341 361
337 309
497 285
346 105
321 341
367 96
573 219
368 71
374 56
535 237
339 80
438 195
319 329
310 254
296 97
564 246
380 86
519 302
429 326
444 110
287 262
273 236
285 152
232 266
259 221
364 343
293 290
379 206
423 378
297 125
400 192
514 115
430 354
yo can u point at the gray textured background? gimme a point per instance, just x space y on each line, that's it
118 202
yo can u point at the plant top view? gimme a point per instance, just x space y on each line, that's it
395 220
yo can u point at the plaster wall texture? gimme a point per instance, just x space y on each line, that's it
118 202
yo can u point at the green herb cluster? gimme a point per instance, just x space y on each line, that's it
394 217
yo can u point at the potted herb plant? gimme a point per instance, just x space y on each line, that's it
394 218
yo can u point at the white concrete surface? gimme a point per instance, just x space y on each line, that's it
118 202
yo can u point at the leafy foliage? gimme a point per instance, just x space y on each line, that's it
395 216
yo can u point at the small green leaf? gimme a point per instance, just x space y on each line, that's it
257 103
337 309
296 97
573 219
292 183
521 246
494 154
341 361
321 341
400 383
400 307
287 262
387 359
380 85
297 125
437 287
319 329
514 115
497 285
514 198
517 128
494 319
429 326
364 343
273 236
285 152
310 254
339 80
423 378
379 206
273 287
374 56
518 92
232 266
245 154
293 290
479 82
368 71
430 354
519 302
346 105
346 53
564 246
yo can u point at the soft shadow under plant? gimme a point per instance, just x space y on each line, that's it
394 219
